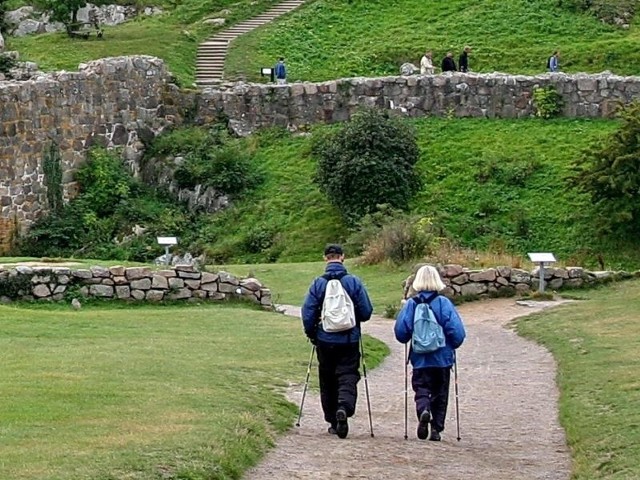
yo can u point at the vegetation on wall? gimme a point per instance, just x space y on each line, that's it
113 217
209 157
52 169
367 162
547 102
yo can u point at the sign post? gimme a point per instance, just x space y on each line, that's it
541 259
266 71
167 242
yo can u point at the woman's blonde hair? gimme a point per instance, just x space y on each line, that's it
428 279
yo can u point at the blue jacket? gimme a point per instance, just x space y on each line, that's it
312 308
449 320
280 70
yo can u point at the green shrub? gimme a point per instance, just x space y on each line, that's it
6 63
609 11
609 172
113 217
211 159
368 161
390 235
547 102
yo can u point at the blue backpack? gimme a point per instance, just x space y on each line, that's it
428 335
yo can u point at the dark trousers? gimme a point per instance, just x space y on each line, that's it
338 373
431 386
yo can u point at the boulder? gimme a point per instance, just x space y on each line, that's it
408 69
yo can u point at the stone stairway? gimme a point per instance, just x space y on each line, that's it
212 52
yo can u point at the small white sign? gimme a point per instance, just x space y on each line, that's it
265 71
167 240
542 257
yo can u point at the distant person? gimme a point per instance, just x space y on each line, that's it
463 62
448 63
431 369
337 345
553 63
426 64
280 72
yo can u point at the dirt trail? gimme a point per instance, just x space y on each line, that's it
508 415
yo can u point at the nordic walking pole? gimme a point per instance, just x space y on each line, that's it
455 375
406 408
366 385
306 384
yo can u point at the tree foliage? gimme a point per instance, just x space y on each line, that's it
66 11
609 171
368 162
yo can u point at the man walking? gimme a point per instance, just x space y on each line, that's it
448 63
338 351
426 64
280 72
553 63
463 62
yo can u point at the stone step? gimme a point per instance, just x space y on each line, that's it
212 52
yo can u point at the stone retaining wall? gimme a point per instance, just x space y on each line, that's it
182 282
123 102
507 281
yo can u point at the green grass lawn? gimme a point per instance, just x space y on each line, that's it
596 344
289 282
333 39
107 392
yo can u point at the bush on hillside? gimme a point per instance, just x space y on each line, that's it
113 217
367 162
211 159
615 12
609 172
390 235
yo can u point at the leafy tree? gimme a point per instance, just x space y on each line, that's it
368 162
609 172
66 11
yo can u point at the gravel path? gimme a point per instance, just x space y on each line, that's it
508 415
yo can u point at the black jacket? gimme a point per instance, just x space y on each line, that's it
448 64
464 62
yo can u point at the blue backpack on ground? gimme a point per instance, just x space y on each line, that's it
428 335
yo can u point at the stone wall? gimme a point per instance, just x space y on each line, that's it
116 102
508 281
123 102
182 282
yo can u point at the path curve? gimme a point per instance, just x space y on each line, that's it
508 404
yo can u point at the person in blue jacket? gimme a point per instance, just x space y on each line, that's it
431 371
280 72
338 352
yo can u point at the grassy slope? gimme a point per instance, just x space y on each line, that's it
596 345
172 36
497 185
150 392
334 38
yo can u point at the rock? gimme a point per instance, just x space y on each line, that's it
408 69
1 42
75 303
216 22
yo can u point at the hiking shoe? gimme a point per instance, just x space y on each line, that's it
332 430
435 436
342 427
423 425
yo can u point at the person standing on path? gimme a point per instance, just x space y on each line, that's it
431 371
280 72
463 61
426 64
553 64
448 63
338 352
